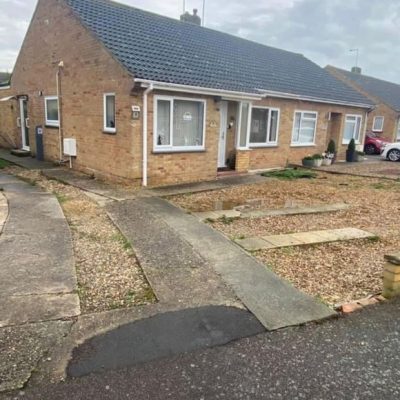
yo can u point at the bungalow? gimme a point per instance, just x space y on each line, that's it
159 101
385 118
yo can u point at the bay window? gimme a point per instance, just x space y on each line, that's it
264 126
352 128
304 128
179 124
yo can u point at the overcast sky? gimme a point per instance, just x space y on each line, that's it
323 30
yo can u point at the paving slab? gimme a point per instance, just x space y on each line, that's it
259 213
25 162
37 261
274 301
303 238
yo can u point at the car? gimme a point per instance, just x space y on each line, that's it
374 144
391 152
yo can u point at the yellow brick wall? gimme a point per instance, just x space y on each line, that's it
10 137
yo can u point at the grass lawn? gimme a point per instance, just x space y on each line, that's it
3 163
334 272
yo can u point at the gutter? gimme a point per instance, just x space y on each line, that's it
227 94
271 93
144 134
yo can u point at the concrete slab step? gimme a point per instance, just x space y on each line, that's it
303 238
216 214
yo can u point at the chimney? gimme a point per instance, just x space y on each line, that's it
356 70
192 19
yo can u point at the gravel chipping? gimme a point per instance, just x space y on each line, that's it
335 272
108 273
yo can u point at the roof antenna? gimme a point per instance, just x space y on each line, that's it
184 6
355 51
204 12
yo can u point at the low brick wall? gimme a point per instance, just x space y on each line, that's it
391 276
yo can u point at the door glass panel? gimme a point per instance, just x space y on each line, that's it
25 122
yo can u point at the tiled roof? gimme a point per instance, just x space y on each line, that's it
388 92
163 49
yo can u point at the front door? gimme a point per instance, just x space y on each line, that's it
222 134
24 123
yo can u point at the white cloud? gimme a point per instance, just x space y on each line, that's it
322 30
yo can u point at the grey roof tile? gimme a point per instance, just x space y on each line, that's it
163 49
388 92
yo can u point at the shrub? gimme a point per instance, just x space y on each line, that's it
290 174
352 146
317 157
308 158
331 147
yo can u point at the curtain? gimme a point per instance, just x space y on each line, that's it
110 112
163 123
188 123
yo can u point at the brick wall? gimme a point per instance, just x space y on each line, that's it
10 136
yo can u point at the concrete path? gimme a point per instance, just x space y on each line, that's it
37 275
272 300
352 358
260 213
303 238
25 162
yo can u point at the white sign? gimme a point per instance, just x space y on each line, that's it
187 116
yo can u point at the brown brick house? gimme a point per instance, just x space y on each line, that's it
384 119
160 101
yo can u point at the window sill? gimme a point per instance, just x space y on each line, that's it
176 151
52 126
345 143
109 132
302 145
263 146
377 130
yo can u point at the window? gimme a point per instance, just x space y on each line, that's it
109 113
244 109
304 127
264 126
51 111
179 124
378 124
398 131
352 128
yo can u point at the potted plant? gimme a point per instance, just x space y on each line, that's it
332 150
317 160
351 153
328 157
308 161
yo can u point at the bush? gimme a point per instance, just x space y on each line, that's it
331 147
317 157
352 146
290 174
308 158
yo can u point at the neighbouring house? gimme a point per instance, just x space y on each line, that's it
4 78
384 120
161 101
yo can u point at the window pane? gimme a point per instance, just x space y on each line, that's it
243 125
398 131
309 115
349 129
52 110
307 131
163 123
188 123
296 130
259 125
378 124
273 130
358 129
110 111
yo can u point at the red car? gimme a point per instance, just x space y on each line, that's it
374 144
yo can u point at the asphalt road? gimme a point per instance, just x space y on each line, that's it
355 357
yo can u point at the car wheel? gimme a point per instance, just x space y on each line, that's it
370 149
394 155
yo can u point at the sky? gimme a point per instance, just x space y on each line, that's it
323 30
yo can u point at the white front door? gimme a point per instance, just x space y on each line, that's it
222 134
24 123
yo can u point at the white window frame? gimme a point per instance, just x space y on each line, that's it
170 148
373 124
105 127
302 112
356 139
51 122
267 143
398 131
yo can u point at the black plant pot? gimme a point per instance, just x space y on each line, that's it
351 156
